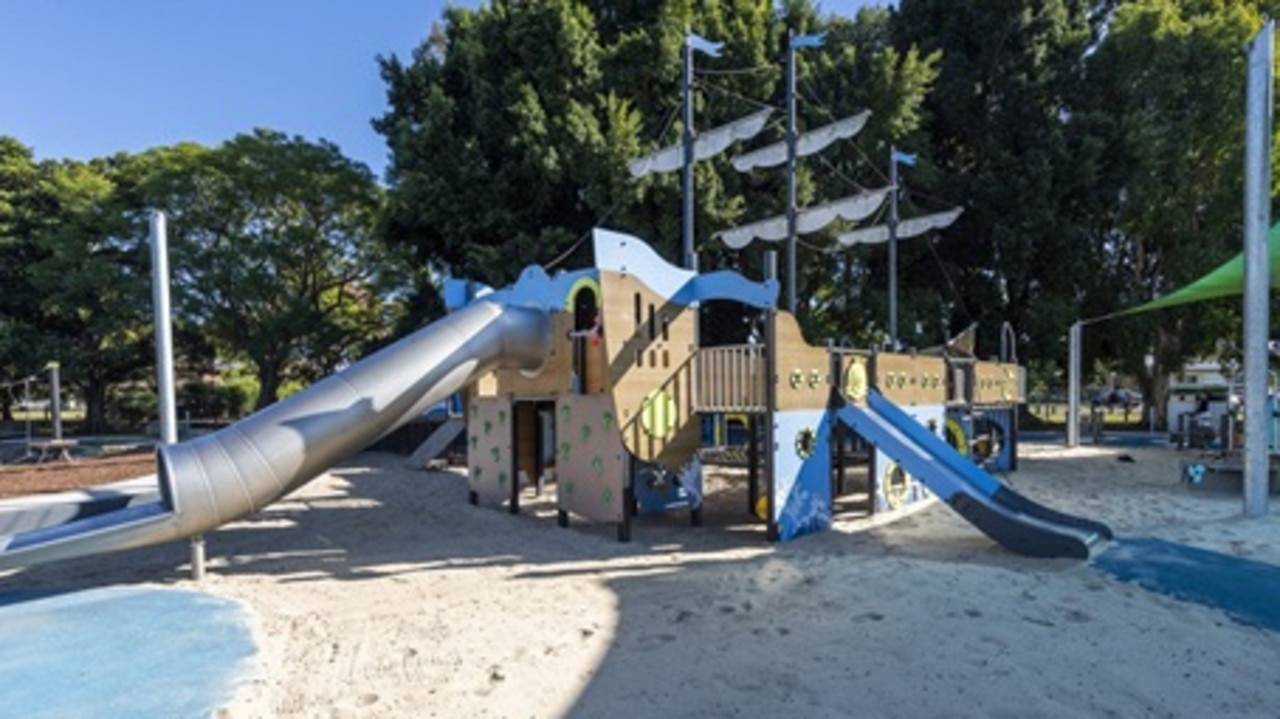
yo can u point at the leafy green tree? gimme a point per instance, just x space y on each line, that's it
511 128
24 202
493 133
275 252
91 281
1168 88
1006 142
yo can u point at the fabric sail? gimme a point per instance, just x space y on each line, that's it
1226 280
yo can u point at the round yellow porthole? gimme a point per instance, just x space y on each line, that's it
855 379
896 485
658 414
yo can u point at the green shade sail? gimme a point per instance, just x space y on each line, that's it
1225 281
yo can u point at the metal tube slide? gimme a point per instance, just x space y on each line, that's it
221 477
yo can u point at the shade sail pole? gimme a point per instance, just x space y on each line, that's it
1073 386
1257 218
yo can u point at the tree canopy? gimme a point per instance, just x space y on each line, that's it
1095 146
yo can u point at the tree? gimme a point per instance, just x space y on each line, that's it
493 133
91 281
511 128
1006 138
18 219
1168 84
275 253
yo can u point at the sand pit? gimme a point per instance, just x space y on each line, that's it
377 591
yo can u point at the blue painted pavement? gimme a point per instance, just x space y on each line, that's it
120 652
1244 589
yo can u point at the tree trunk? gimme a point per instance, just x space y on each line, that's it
95 407
6 408
268 385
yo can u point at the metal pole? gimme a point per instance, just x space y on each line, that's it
55 399
1257 221
1073 386
163 328
164 358
791 173
770 402
690 257
26 403
893 249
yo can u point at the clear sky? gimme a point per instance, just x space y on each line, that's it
88 78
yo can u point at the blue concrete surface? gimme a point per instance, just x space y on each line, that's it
1244 589
120 652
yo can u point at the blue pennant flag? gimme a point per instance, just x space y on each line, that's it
903 158
700 43
808 40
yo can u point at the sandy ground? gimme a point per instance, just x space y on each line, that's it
377 591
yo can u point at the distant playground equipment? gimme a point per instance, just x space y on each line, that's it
43 449
1210 420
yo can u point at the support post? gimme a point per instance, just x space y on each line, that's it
1257 221
164 358
1073 385
689 256
163 329
892 224
791 172
55 398
770 402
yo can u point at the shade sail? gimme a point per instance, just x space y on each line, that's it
1225 281
706 144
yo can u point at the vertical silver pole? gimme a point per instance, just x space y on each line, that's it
164 357
1073 386
770 402
690 258
1257 221
26 403
893 250
163 329
55 398
791 173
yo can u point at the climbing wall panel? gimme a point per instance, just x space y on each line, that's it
489 450
591 463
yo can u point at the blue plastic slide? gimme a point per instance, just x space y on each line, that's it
1009 518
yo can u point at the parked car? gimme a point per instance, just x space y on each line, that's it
1118 397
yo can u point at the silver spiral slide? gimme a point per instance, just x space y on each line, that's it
218 478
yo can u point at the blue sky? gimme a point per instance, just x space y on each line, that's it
88 78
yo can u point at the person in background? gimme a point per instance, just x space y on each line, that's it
1202 414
